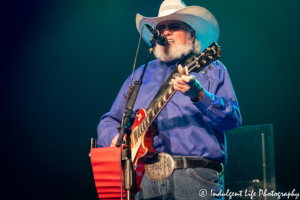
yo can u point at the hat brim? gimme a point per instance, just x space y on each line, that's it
200 19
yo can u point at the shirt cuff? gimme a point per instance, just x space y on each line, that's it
205 102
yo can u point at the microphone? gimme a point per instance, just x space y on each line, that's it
161 40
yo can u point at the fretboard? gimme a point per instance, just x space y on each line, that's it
152 114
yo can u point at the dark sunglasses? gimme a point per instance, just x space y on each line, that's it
172 26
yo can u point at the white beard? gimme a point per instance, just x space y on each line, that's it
172 52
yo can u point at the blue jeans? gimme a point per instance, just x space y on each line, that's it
196 183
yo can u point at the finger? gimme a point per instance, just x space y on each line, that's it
179 89
183 80
173 81
180 83
114 141
186 79
179 80
183 87
179 68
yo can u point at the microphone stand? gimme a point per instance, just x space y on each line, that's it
129 173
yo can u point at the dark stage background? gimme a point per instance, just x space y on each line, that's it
63 63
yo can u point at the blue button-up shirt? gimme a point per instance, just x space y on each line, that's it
184 128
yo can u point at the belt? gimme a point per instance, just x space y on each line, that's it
197 162
162 165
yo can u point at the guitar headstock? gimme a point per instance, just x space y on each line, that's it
210 54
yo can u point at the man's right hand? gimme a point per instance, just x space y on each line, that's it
114 141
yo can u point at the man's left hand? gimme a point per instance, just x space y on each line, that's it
188 86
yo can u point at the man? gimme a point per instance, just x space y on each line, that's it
191 126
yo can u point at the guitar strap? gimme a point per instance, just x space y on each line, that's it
186 60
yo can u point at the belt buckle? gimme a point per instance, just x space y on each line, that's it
160 167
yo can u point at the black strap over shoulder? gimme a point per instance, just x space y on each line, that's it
186 60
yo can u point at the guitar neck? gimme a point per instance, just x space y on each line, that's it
152 113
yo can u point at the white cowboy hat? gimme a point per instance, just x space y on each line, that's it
200 19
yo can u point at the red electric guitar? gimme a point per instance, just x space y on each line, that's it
143 130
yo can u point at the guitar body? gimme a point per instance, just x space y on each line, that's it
142 149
